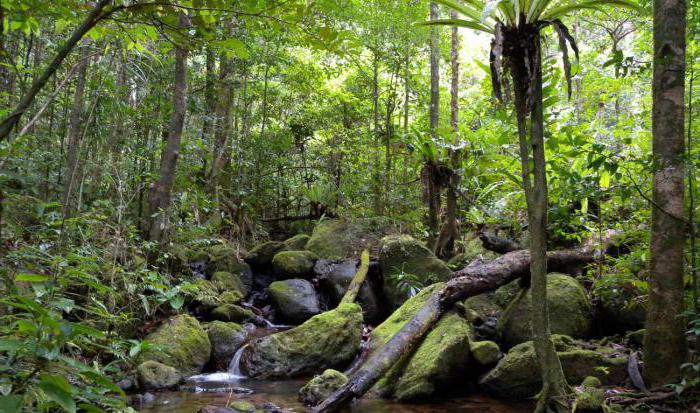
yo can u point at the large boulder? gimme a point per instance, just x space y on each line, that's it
232 313
156 376
402 255
442 356
335 278
620 302
335 239
517 375
569 312
327 340
226 339
295 300
321 386
180 342
293 264
226 281
261 255
297 242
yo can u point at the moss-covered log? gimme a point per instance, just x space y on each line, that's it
468 282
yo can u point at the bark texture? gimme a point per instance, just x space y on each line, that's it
665 341
434 198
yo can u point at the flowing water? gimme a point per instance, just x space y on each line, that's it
221 388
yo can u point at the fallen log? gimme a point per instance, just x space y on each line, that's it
468 282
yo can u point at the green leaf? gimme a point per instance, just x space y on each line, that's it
57 389
10 404
32 278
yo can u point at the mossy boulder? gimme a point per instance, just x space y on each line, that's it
486 353
404 254
327 340
321 386
226 281
155 376
473 250
232 313
293 264
242 406
505 294
295 300
482 307
442 356
297 242
203 295
335 278
589 398
517 374
569 312
261 255
336 239
226 339
180 342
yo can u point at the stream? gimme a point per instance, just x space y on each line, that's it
221 388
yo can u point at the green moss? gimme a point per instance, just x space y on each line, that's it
473 249
589 399
154 376
404 254
591 381
504 295
517 374
181 342
295 299
242 406
338 239
328 239
569 311
321 386
486 353
297 242
226 281
221 257
203 294
232 312
325 340
293 264
482 307
262 254
231 297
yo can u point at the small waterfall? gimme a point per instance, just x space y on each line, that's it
234 368
270 324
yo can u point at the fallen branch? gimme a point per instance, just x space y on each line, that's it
357 280
468 282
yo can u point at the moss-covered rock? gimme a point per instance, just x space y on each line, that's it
232 313
517 374
231 297
295 300
293 264
226 281
242 406
504 295
321 386
335 278
155 376
180 342
473 250
226 339
261 255
297 242
441 357
334 239
324 341
636 338
403 254
203 295
569 312
589 398
486 353
481 307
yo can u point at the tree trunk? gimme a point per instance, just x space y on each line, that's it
525 59
467 283
74 124
96 14
376 186
221 158
160 192
434 201
665 341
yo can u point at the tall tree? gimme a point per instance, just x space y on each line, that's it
433 190
665 341
161 190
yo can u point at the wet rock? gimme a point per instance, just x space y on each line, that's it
225 281
297 242
126 384
324 341
155 376
636 338
295 300
226 339
517 375
441 357
232 313
402 254
180 342
293 264
569 312
261 255
618 316
215 409
242 406
335 278
486 353
320 387
334 239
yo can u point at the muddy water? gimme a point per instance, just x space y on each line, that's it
283 394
